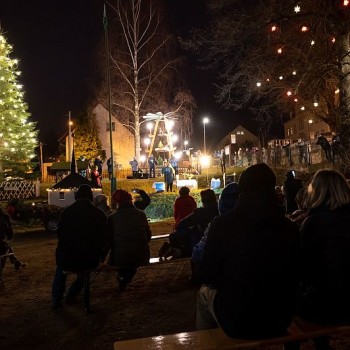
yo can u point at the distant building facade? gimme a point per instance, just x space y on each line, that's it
123 138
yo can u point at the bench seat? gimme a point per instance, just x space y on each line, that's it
216 339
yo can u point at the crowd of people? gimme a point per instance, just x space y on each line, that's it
261 253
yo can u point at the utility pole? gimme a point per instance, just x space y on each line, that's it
41 161
69 137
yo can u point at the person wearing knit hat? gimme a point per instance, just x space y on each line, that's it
130 234
228 197
85 192
249 264
82 236
227 202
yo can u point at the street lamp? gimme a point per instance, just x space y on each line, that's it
185 144
205 121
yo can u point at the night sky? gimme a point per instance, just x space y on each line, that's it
56 43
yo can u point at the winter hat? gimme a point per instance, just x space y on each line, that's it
228 197
256 179
84 192
122 198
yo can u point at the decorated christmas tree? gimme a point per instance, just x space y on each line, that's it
18 136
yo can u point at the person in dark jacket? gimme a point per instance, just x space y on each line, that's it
129 233
291 187
169 174
326 147
190 229
82 233
325 255
249 264
184 205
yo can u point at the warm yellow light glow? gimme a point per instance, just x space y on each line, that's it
279 51
142 158
310 121
302 108
297 9
258 84
304 28
205 161
149 126
289 93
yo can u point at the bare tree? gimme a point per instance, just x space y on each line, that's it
143 65
280 55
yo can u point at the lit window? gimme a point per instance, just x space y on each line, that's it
107 126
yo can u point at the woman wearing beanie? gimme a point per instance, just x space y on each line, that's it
130 234
249 264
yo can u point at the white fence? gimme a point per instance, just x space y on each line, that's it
19 189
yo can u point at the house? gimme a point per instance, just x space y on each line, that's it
62 194
240 137
306 126
123 138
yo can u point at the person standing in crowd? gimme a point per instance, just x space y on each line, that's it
6 234
152 166
175 164
98 162
302 146
169 173
291 187
134 167
223 161
335 146
183 205
325 254
82 233
249 265
95 177
130 234
326 147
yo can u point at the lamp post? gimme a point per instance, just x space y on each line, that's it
70 123
147 142
205 121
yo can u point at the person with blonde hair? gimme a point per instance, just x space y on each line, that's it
325 254
101 202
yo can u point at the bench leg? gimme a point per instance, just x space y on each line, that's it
86 292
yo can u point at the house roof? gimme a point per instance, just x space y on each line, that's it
73 181
82 165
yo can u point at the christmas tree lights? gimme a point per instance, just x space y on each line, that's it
18 136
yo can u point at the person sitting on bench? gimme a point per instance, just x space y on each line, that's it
250 263
129 235
82 234
190 229
325 255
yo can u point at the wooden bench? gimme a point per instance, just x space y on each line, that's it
4 256
216 339
166 235
110 268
